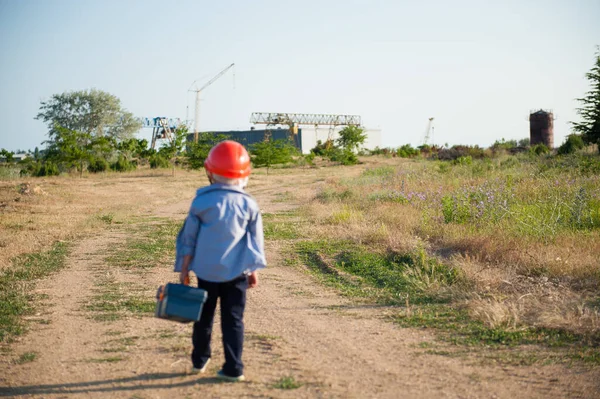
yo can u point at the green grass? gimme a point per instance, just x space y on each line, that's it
282 225
419 286
390 277
113 300
26 357
455 326
280 231
148 245
119 345
288 382
17 284
151 243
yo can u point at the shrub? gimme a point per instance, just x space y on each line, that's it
406 151
539 149
122 165
573 143
380 151
322 148
158 161
47 169
457 151
97 165
468 160
524 142
343 156
504 145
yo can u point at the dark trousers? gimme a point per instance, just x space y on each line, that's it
233 302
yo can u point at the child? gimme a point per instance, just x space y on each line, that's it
222 243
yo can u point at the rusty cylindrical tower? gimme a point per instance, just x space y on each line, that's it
541 128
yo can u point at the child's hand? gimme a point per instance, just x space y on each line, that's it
184 277
252 280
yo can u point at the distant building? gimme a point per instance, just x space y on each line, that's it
16 157
305 140
541 128
20 157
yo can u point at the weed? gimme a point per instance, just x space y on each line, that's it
389 196
382 171
107 218
26 357
111 333
288 382
328 195
111 359
166 335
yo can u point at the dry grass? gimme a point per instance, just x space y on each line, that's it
37 212
515 278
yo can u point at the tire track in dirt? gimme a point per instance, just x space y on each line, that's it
294 328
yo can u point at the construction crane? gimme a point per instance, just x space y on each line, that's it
197 91
428 132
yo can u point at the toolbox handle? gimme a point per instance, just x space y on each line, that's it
161 289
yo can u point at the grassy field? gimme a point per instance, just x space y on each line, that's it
494 253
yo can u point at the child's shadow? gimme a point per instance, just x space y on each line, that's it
150 381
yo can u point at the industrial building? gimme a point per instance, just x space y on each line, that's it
303 130
305 140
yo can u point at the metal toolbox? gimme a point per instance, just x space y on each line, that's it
180 302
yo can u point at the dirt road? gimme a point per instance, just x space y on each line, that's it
302 340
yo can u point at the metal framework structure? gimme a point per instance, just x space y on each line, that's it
272 118
162 128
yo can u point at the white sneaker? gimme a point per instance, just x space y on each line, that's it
200 370
221 375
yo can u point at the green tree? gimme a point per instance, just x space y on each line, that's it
92 112
351 138
590 109
169 151
7 155
197 151
70 148
174 147
272 152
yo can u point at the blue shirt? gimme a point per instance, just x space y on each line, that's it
224 234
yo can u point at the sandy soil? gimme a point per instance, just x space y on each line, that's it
294 328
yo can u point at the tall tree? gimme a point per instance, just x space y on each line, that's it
70 149
7 155
197 151
272 152
590 110
93 112
351 138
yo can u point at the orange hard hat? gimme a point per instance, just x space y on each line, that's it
228 159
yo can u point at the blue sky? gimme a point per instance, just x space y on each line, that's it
477 67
